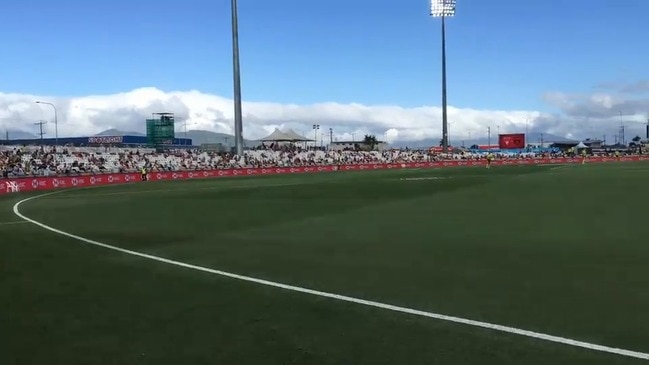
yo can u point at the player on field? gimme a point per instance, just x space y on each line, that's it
490 158
617 155
145 175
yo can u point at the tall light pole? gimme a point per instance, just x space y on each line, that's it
443 9
315 135
185 123
488 138
236 70
56 121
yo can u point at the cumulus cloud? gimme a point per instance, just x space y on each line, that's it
127 111
637 87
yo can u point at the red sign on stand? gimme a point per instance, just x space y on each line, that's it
511 141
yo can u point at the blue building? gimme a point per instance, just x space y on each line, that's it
94 141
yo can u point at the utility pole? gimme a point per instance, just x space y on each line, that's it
488 138
40 126
316 127
620 137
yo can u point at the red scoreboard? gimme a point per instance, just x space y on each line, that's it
511 141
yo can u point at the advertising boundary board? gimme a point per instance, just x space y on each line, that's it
27 184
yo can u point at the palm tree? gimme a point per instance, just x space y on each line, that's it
370 140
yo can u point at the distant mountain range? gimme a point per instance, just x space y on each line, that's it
430 142
198 137
117 132
14 134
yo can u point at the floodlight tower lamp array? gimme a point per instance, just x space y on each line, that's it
443 9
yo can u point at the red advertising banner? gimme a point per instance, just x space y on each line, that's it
27 184
511 141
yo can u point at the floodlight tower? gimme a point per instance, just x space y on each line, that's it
443 9
316 127
238 117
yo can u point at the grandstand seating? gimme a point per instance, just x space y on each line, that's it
16 161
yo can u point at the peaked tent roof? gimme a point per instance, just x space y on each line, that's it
295 137
581 145
276 136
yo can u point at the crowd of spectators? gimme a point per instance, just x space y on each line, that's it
17 161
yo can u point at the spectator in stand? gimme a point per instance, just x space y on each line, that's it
18 161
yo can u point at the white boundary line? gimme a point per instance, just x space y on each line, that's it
369 303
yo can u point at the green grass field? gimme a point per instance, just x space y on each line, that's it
560 250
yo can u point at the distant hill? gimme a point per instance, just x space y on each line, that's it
430 142
117 132
199 137
15 134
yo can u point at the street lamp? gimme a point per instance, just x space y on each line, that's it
236 70
443 9
315 135
56 121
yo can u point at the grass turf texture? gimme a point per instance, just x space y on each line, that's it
554 250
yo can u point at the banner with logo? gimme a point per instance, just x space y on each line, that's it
26 184
511 141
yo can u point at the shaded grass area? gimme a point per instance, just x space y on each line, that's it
506 245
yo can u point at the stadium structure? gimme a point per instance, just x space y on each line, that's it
160 132
117 141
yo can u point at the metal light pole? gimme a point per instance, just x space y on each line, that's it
315 135
56 121
488 138
185 124
238 115
443 9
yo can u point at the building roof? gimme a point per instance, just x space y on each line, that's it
288 136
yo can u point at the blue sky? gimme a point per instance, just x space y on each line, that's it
503 54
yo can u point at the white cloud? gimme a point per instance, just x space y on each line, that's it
127 111
599 113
